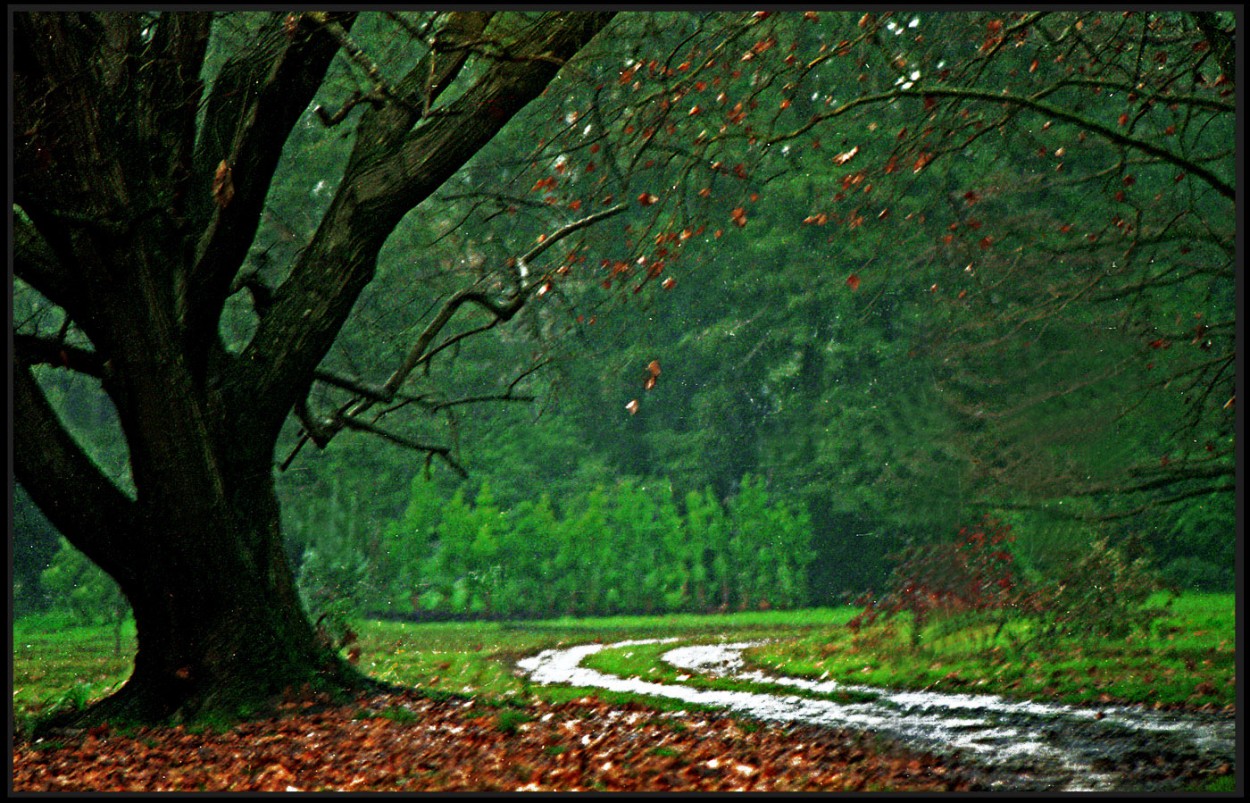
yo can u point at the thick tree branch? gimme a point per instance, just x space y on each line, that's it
33 350
63 481
384 128
171 101
254 104
383 183
36 263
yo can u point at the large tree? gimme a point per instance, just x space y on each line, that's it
140 179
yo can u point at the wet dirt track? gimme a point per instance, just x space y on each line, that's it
1012 745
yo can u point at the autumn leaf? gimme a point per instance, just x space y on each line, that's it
843 158
646 199
632 407
223 185
542 747
739 216
852 281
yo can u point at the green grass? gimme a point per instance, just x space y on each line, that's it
57 664
643 661
1188 658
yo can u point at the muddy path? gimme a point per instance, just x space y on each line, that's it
1011 745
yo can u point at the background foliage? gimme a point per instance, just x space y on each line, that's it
881 274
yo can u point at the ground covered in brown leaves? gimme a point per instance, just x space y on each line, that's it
406 742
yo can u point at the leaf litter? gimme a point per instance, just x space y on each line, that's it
410 742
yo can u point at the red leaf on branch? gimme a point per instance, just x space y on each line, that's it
646 199
852 281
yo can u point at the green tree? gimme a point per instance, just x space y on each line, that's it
409 541
529 544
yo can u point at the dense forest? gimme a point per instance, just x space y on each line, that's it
859 280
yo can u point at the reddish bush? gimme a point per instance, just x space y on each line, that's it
970 574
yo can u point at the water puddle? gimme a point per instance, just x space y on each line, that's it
1022 745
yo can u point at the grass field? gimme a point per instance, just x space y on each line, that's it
1188 659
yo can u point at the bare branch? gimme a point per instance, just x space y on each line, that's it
443 452
393 168
1031 103
1058 113
501 310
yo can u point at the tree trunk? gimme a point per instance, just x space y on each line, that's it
141 191
221 628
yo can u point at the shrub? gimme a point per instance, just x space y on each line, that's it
1103 594
1197 574
972 574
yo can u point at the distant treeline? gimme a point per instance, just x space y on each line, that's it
624 548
